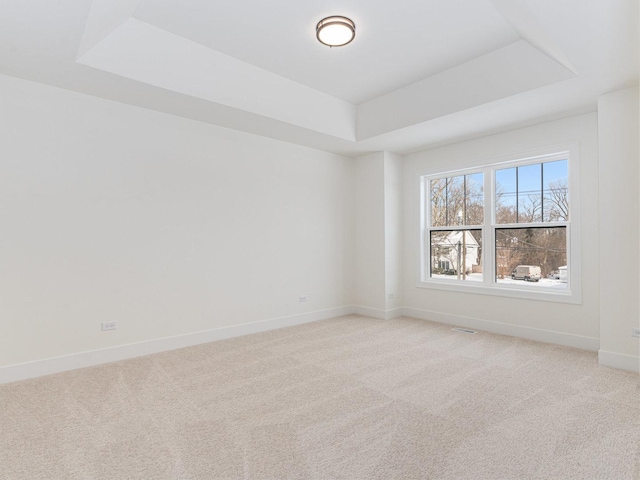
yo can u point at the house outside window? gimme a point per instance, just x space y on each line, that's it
504 228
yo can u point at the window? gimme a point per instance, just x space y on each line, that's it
455 202
503 228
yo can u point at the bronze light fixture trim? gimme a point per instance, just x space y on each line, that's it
335 31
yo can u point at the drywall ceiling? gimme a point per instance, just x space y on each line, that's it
419 73
410 39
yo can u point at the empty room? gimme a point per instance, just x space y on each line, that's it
319 240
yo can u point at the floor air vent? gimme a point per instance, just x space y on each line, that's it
464 330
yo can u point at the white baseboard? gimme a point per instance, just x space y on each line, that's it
618 360
369 312
38 368
394 313
381 314
547 336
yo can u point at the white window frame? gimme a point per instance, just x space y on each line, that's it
489 285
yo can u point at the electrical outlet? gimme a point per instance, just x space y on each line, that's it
302 298
635 332
108 326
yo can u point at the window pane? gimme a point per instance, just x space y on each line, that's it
556 191
530 194
537 256
506 193
456 255
438 202
457 200
533 193
474 201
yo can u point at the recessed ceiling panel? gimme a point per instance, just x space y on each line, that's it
397 43
511 70
148 54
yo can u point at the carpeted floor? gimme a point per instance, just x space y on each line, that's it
346 398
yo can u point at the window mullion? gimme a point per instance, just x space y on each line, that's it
487 234
456 228
531 225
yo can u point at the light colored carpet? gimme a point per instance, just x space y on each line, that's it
346 398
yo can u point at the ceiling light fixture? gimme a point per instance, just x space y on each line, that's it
335 31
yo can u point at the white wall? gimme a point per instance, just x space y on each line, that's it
618 137
166 225
171 226
393 231
369 220
564 323
378 246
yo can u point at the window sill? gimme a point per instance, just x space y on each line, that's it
540 294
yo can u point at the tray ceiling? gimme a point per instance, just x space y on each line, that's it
417 74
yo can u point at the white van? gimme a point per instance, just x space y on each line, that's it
528 273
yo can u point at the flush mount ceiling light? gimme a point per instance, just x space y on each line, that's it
335 31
